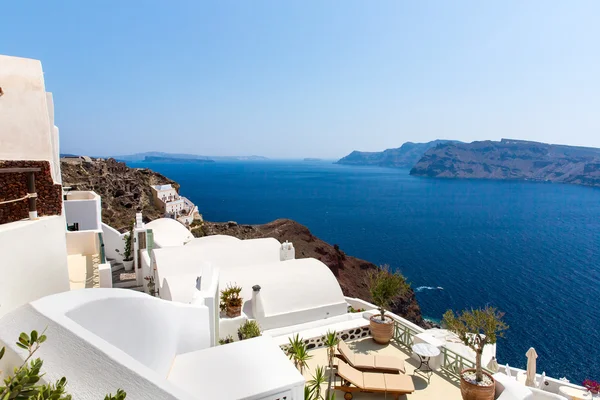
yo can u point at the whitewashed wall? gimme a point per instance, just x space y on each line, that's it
114 245
84 208
27 130
83 242
33 261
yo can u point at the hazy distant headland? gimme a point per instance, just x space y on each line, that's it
506 159
405 156
157 156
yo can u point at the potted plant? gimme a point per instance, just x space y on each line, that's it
476 328
231 302
127 253
384 287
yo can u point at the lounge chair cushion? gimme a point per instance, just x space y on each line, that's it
364 361
374 381
390 363
397 383
350 374
346 352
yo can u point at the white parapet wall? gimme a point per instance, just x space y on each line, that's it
84 209
83 242
114 243
33 261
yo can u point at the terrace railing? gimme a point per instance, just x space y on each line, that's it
452 363
403 334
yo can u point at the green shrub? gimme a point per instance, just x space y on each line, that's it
248 330
24 384
385 286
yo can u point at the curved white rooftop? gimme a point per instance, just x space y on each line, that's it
213 240
288 286
169 232
225 251
120 338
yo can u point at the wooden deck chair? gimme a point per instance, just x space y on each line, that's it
367 362
354 380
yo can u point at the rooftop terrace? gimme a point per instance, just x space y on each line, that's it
440 386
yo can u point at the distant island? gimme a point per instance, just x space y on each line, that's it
405 156
512 159
140 157
154 159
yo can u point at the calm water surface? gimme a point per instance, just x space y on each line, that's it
532 250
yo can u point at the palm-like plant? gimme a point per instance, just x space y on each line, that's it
331 341
298 353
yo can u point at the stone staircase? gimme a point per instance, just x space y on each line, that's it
123 279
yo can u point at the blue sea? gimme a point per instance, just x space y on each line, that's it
530 249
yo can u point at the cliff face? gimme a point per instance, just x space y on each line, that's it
124 190
403 157
350 272
512 159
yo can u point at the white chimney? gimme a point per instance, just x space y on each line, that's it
258 310
287 251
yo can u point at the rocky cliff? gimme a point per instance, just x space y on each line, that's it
350 272
402 157
512 159
124 191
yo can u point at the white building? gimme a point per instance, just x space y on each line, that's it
174 206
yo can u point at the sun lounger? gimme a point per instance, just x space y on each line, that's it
354 380
366 362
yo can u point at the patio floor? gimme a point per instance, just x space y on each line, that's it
441 385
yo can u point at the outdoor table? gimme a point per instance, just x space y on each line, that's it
425 351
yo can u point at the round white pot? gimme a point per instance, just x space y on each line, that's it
128 265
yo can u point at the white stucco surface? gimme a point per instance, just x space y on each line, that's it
221 250
105 339
33 261
292 292
82 242
85 209
169 233
258 367
25 123
114 245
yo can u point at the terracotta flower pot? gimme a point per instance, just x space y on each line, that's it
382 332
233 312
470 391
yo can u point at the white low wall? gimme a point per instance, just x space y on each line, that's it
83 242
85 209
33 261
359 304
105 275
114 245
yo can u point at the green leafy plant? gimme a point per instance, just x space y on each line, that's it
128 239
24 382
226 339
248 330
230 297
355 310
385 286
313 389
476 328
298 353
330 341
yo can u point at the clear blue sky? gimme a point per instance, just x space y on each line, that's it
311 78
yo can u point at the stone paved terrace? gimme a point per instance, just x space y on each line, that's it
440 387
